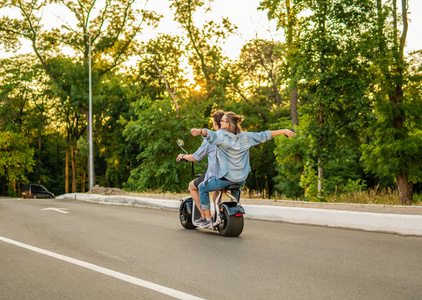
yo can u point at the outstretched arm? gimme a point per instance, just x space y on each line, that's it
286 132
196 131
211 136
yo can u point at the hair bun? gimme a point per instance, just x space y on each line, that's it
239 118
234 121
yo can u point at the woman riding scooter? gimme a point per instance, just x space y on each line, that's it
232 156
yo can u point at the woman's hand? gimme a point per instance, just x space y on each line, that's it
179 157
195 131
286 132
289 133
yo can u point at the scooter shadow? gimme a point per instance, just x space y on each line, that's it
206 232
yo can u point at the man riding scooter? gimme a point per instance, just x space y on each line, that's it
204 150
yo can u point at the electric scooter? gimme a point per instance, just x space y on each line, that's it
226 212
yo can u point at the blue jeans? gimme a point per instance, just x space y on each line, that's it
214 184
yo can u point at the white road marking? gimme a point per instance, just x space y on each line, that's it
60 210
130 279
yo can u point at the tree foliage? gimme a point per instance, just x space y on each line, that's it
155 131
395 148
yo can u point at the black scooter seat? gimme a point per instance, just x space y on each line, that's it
232 187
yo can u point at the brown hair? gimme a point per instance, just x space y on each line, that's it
234 121
217 116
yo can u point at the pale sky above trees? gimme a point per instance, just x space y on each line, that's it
251 23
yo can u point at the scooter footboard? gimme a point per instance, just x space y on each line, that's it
233 208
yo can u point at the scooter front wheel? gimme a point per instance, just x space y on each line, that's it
184 216
230 226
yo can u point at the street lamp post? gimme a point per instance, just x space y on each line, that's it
91 144
90 122
90 125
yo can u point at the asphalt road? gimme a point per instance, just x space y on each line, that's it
91 251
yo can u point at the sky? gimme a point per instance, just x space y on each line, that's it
251 23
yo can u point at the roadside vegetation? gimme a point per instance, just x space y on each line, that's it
388 196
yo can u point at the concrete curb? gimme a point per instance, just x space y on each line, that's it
123 200
392 223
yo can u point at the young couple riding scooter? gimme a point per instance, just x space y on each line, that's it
230 155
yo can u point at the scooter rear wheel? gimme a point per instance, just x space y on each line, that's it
230 226
185 217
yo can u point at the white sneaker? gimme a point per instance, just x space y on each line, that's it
199 221
206 224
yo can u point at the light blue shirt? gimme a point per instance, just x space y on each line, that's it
233 151
210 150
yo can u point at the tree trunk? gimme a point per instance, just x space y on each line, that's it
167 86
293 107
295 121
320 177
83 180
292 73
66 185
411 192
39 164
58 169
320 169
276 92
396 97
403 185
73 162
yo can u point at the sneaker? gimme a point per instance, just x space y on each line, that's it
206 224
199 221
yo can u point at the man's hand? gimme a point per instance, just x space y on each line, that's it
179 157
195 131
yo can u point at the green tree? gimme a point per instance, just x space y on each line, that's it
333 65
287 13
155 131
289 169
26 99
16 160
111 30
118 154
396 146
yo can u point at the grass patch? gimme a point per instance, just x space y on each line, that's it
371 196
387 196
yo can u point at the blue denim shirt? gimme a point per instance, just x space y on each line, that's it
210 150
233 151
